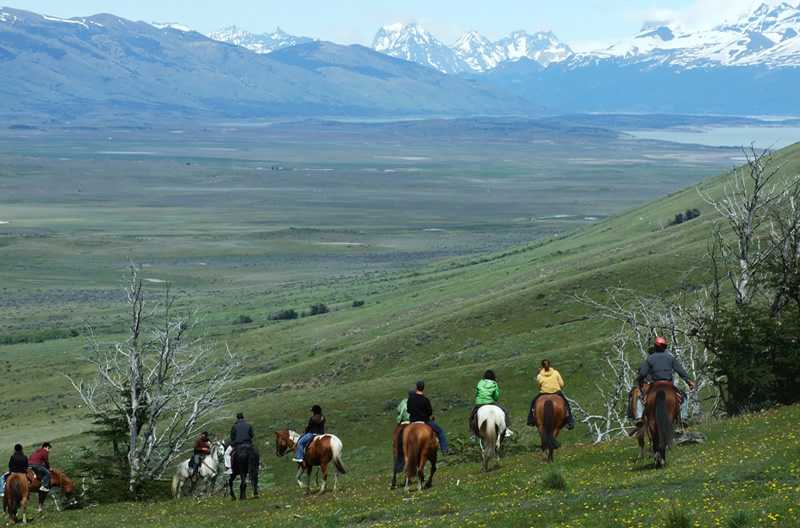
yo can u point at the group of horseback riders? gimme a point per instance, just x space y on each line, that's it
658 366
19 463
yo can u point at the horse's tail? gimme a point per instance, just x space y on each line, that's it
253 462
492 438
411 448
15 489
176 480
663 422
549 425
336 454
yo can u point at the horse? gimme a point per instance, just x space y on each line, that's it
638 432
57 479
209 470
660 410
550 415
16 495
397 450
320 451
420 444
244 461
491 431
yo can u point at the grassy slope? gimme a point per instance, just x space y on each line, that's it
446 324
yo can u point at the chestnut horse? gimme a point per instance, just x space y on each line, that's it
321 450
397 450
16 495
419 445
244 461
661 408
491 430
641 431
550 415
57 479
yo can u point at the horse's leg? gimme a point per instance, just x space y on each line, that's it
230 485
324 466
422 460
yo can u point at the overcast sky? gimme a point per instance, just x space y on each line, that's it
582 24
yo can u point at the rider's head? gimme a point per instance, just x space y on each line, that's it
660 343
489 374
316 409
205 435
546 364
420 386
18 448
46 445
240 416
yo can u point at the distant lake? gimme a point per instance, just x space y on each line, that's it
761 137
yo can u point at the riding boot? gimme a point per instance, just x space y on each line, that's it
685 414
639 411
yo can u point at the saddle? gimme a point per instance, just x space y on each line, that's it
32 475
663 385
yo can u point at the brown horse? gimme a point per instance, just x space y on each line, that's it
320 451
638 432
57 479
397 450
16 495
550 415
661 408
419 445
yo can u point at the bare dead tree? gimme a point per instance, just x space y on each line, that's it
751 197
162 382
642 317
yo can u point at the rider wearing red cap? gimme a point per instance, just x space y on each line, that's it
659 366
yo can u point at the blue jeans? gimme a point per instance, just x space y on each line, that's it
440 434
46 477
301 444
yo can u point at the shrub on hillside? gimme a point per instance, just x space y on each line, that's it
683 217
242 319
283 315
316 309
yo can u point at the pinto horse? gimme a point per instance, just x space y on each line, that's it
16 495
244 461
661 408
638 432
57 479
397 450
420 444
208 471
320 451
491 430
550 415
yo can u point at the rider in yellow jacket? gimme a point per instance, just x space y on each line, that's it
550 382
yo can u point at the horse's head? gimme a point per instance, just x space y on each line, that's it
65 483
218 450
283 442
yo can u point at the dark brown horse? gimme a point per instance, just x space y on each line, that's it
661 408
397 449
245 461
320 451
550 415
16 495
419 446
638 432
57 479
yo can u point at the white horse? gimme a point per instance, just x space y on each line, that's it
491 430
210 468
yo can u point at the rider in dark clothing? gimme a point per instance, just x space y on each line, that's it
202 446
659 366
420 410
241 433
316 426
18 463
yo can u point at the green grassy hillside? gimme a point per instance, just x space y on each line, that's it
446 323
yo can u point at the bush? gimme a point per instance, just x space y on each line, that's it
316 309
358 304
684 217
283 315
555 481
242 319
758 356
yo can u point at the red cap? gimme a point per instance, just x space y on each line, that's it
660 341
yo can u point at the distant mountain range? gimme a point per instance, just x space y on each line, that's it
107 68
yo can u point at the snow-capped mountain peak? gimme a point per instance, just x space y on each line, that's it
264 43
413 43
